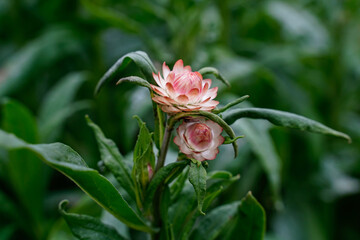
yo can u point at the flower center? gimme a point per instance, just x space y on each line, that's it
199 136
186 81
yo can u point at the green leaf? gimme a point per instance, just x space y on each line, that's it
143 159
197 177
166 232
51 113
111 17
141 59
113 159
7 231
284 119
164 175
68 162
179 183
211 225
18 120
36 57
215 72
250 223
135 80
182 219
25 171
87 227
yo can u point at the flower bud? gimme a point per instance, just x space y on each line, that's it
199 138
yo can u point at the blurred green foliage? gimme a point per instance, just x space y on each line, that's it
302 56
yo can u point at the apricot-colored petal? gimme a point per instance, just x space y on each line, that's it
169 109
200 76
170 89
182 99
158 90
193 95
160 100
187 68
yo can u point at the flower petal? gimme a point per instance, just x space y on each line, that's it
170 90
166 70
169 109
158 80
216 128
210 154
210 93
178 66
182 99
158 90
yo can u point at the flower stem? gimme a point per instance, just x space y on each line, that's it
164 146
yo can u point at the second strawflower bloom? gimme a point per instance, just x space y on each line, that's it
182 90
199 138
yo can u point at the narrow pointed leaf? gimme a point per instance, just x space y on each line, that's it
215 72
211 225
284 119
68 162
54 103
36 57
135 80
141 59
113 159
144 159
86 227
25 171
250 224
197 177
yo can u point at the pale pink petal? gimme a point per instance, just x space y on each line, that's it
169 109
182 99
170 100
170 77
166 70
217 141
207 81
158 80
158 90
211 103
193 95
170 90
178 66
210 154
210 93
161 100
187 68
200 76
216 128
197 156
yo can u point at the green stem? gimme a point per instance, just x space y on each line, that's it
164 146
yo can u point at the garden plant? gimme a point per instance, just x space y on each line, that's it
151 195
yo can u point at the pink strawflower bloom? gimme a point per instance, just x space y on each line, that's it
199 138
183 90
